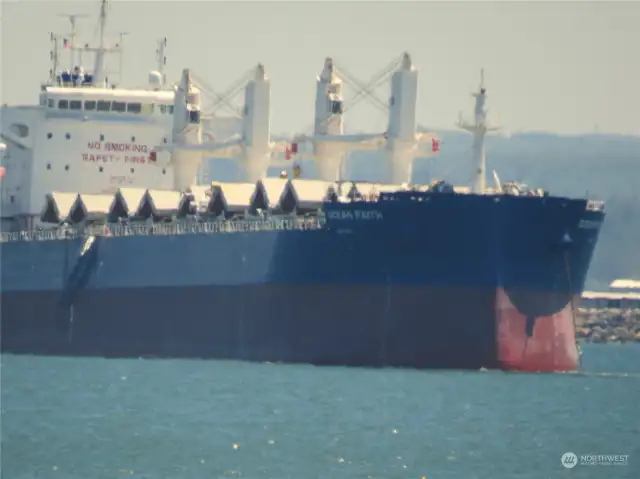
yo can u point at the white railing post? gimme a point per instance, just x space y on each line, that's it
178 228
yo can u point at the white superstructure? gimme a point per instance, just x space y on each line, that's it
90 136
92 139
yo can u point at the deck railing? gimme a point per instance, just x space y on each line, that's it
166 229
185 227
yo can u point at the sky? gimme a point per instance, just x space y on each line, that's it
564 67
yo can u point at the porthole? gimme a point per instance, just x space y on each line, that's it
49 135
132 170
101 137
100 169
48 166
68 136
66 167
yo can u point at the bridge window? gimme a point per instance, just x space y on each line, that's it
148 109
170 109
336 107
90 105
104 105
63 104
119 106
75 105
134 107
163 108
52 104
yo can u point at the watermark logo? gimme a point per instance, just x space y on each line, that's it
570 460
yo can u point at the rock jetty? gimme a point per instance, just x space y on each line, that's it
608 325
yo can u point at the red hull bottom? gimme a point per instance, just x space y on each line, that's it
551 346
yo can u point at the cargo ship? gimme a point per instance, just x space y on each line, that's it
111 248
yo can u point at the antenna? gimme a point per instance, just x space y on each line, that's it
99 70
54 54
122 35
161 58
71 43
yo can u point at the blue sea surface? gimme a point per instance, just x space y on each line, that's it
96 418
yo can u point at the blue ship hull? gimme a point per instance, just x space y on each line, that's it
425 280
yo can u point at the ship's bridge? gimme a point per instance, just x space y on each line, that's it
104 100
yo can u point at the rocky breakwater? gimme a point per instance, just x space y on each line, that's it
608 325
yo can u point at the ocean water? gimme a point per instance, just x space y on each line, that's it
161 419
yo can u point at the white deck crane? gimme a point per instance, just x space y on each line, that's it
253 146
401 143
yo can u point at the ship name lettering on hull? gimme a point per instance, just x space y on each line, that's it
356 215
589 224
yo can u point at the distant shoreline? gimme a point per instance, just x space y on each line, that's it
608 326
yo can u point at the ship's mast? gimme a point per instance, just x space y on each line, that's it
99 69
479 128
55 58
122 35
161 57
72 36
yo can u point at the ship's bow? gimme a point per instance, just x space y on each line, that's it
547 254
